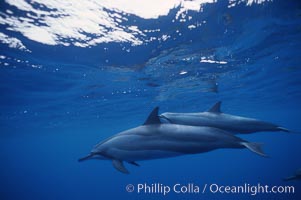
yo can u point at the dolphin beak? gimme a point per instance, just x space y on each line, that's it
86 157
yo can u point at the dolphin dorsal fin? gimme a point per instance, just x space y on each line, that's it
216 108
153 117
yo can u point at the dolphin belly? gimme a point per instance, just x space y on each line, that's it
139 155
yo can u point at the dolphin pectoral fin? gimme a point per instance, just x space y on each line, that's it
216 108
255 147
85 158
134 163
119 166
153 117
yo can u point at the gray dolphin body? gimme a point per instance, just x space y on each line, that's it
154 140
296 176
215 118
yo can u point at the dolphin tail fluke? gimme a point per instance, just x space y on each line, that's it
118 164
255 147
283 129
85 158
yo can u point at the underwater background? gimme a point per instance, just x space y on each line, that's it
73 73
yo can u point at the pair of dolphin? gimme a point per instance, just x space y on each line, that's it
155 139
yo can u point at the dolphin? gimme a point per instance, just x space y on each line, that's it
154 140
214 117
296 176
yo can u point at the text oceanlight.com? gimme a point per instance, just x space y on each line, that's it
192 188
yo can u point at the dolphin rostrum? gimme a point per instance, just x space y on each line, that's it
215 118
154 140
296 176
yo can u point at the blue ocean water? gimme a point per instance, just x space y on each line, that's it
59 98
